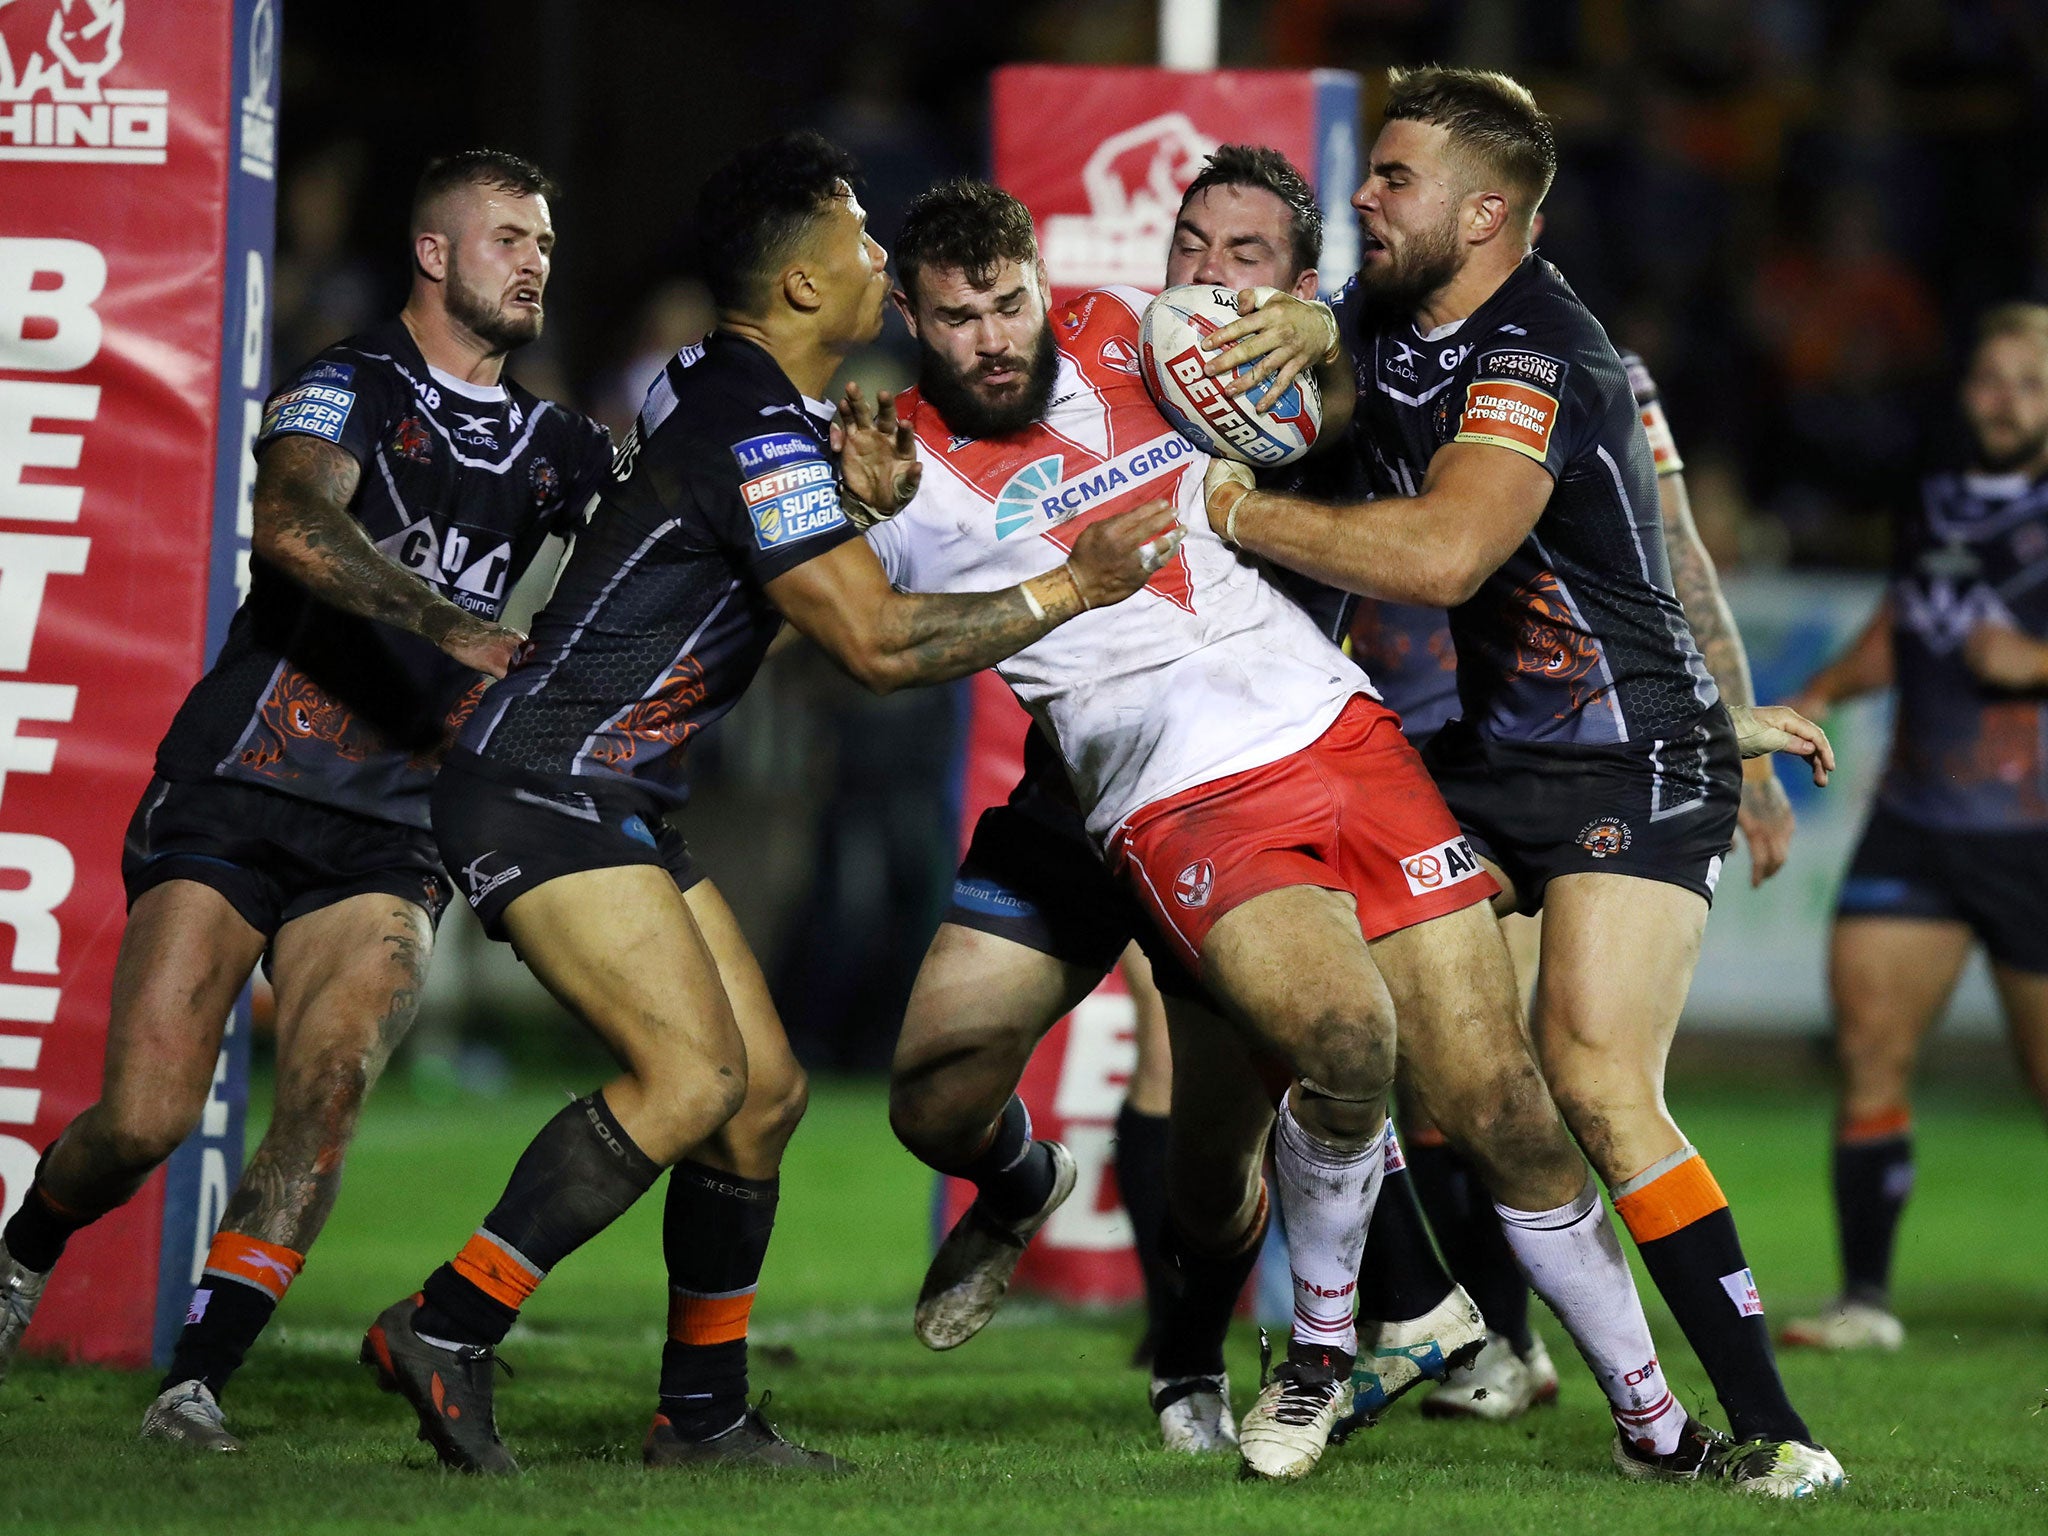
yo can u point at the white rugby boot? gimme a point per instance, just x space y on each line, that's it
186 1414
1497 1385
1846 1324
1542 1370
20 1289
1782 1469
1287 1429
972 1269
1194 1413
1402 1356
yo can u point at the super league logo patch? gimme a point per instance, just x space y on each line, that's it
318 410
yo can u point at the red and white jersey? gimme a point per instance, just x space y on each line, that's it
1209 671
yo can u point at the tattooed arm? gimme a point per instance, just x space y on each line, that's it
888 639
303 489
1766 815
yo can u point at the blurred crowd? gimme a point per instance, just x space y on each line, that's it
1791 208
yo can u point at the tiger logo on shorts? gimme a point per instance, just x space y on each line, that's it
1605 837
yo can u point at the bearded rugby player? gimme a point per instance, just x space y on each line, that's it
402 486
1596 768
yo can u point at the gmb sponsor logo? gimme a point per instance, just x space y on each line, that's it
1533 366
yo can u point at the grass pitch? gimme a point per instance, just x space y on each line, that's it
1038 1425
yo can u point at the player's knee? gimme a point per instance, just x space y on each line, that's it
776 1108
1349 1058
140 1136
920 1115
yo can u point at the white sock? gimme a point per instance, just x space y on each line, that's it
1326 1201
1574 1262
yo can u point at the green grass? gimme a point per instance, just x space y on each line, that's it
1038 1426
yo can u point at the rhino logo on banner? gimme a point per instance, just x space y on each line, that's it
55 56
58 47
1134 181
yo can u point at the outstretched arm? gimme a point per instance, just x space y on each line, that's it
888 639
303 489
1864 667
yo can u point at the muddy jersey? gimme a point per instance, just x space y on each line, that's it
1972 550
460 484
661 617
1207 672
1409 652
1578 636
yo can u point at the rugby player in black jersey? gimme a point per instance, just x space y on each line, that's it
722 517
1956 849
1595 768
402 486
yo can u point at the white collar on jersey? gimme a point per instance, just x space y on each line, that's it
463 387
1448 328
819 409
1997 487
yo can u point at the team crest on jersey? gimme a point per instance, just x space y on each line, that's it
1119 354
412 441
1192 886
1605 836
546 481
1438 868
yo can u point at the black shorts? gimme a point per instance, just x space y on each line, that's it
274 856
502 834
1036 880
1996 882
1662 809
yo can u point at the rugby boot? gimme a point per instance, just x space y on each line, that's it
1284 1434
753 1442
1194 1413
1496 1385
972 1269
1542 1370
1782 1469
1699 1457
186 1414
449 1388
1846 1325
1404 1355
20 1289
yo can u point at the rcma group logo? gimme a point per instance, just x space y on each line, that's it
54 58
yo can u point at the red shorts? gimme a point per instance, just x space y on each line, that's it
1353 811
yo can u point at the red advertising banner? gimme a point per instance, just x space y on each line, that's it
1104 190
118 137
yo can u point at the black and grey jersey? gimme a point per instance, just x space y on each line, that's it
661 617
460 485
1972 549
1578 636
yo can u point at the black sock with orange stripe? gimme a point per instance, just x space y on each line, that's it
573 1180
1873 1175
244 1280
36 1234
714 1235
1682 1226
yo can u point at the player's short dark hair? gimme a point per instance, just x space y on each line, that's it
1489 116
966 226
756 209
2018 318
477 168
1254 165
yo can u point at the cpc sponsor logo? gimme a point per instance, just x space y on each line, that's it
1436 868
1193 885
1134 181
54 57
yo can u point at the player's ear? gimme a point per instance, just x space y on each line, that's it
1487 215
1044 286
904 308
1305 286
801 290
430 255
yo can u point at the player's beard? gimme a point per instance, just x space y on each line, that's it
484 316
2024 453
1427 263
967 413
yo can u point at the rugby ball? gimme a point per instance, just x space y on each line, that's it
1171 360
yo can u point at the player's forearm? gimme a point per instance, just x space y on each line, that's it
302 527
1397 549
1339 387
1864 668
1698 586
924 637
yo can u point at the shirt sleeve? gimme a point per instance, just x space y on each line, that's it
590 471
1521 395
339 399
773 499
1650 407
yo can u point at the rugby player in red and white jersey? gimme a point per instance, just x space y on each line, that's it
1268 813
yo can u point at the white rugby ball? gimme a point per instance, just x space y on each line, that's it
1172 361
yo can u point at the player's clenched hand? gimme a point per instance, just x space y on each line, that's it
483 645
877 456
1766 820
2001 656
1115 557
1774 728
1282 334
